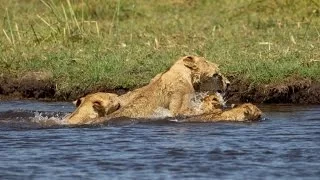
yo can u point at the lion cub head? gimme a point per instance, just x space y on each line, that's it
206 75
212 103
243 112
92 106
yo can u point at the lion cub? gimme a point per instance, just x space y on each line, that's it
212 111
93 106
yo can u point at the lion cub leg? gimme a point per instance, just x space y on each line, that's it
179 105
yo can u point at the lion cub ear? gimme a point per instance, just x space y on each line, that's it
190 62
78 102
99 108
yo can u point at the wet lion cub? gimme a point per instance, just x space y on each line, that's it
93 106
212 111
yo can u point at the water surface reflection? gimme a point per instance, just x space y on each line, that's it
286 146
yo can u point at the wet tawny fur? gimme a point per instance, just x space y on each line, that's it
93 106
212 103
244 112
172 89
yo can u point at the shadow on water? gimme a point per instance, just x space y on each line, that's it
286 146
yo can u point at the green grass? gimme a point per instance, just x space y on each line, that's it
124 43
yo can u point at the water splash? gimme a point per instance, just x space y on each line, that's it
161 113
221 99
46 119
26 119
195 104
196 101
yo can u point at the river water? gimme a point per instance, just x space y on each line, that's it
286 145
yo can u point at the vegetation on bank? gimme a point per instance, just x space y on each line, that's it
124 43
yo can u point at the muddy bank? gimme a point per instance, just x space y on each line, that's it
296 91
37 85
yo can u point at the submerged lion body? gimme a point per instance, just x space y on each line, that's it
171 90
243 112
213 110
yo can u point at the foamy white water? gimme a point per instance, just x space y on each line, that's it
160 113
196 101
221 99
43 119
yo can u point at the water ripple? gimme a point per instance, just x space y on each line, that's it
285 146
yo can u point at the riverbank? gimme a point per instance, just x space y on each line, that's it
40 86
271 48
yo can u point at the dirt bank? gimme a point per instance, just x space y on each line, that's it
37 85
296 91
